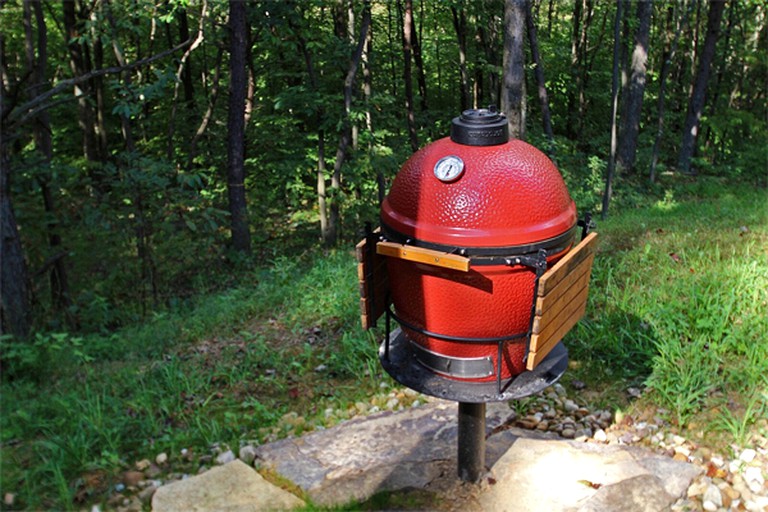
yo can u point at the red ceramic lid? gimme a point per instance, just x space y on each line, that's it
506 195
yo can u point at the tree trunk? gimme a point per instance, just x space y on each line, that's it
533 42
241 237
15 307
460 26
614 108
392 63
213 95
513 89
368 97
334 228
696 102
182 70
80 65
41 131
407 73
418 59
573 92
186 75
667 58
583 72
633 104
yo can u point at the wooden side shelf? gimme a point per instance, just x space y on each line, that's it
373 281
561 299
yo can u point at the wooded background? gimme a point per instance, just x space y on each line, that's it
151 148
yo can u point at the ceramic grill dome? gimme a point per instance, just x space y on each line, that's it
493 200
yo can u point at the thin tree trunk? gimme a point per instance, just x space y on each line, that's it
665 67
392 61
633 104
15 307
460 26
614 109
334 228
80 65
368 98
241 236
321 187
513 91
533 42
696 103
418 59
478 90
142 228
407 73
573 92
213 95
182 70
186 75
583 73
41 131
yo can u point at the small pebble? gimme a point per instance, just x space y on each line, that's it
748 455
161 458
600 436
225 458
712 494
247 454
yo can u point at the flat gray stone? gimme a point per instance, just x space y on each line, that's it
385 451
531 471
233 487
544 475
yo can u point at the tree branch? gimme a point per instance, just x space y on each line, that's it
26 111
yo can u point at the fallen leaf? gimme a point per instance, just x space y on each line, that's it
675 257
593 485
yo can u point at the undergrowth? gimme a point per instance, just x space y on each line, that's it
678 304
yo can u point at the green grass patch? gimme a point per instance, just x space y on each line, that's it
678 303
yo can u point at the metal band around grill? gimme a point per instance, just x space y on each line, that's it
461 367
482 256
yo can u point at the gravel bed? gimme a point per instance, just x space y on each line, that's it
736 481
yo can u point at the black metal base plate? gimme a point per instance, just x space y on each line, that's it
402 365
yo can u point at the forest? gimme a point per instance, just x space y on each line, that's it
149 148
160 158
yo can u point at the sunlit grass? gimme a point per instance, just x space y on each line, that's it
678 304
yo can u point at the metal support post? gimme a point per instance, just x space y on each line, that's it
471 441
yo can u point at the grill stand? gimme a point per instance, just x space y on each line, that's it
471 441
398 359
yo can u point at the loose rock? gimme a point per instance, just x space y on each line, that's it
247 454
225 458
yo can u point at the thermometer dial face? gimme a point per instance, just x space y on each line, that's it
449 168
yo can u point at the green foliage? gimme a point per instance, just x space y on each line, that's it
678 288
40 357
682 295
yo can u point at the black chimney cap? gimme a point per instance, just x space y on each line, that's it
480 127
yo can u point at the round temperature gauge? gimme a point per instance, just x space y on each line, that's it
449 168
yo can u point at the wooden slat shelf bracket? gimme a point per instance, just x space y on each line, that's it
561 299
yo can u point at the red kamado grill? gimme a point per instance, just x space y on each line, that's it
477 260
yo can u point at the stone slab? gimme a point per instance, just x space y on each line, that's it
545 475
530 471
233 487
386 451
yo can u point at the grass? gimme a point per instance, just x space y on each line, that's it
678 303
679 300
